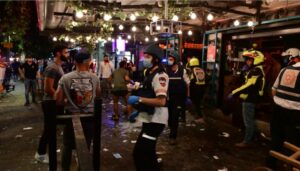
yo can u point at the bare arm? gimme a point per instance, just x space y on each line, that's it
49 82
59 97
273 92
159 101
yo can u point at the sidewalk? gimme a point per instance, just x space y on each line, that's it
209 148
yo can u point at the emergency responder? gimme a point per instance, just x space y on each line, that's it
152 110
178 91
251 92
286 115
197 87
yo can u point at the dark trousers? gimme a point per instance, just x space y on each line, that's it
42 148
285 126
69 140
196 94
144 152
175 107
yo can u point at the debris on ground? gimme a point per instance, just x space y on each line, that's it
27 128
105 149
124 141
117 155
224 134
58 150
133 141
202 129
223 169
216 157
19 136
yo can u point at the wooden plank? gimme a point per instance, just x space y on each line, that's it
84 156
291 146
285 159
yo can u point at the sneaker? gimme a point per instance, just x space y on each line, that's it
41 158
27 104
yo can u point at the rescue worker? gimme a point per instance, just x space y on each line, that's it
286 96
251 92
197 87
179 83
152 111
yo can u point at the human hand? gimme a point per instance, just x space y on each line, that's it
133 99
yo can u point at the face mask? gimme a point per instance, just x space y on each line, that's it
133 68
147 63
170 63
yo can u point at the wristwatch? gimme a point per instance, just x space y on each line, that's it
140 100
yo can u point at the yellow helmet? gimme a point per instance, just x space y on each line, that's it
194 62
258 57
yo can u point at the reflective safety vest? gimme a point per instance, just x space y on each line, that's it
289 84
197 76
177 86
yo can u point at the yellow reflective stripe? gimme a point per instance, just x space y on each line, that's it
249 82
243 96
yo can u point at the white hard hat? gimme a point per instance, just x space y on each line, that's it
291 52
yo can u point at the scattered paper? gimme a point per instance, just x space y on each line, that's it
160 152
58 150
133 141
225 134
124 141
27 128
202 129
223 169
188 125
216 157
105 149
159 160
117 155
19 136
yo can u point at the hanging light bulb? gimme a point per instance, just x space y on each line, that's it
133 29
175 18
190 33
109 39
158 27
79 14
236 23
132 17
155 39
121 27
54 39
179 32
155 18
111 29
147 28
129 37
250 23
193 15
126 41
74 23
107 17
146 39
119 37
210 17
72 40
67 39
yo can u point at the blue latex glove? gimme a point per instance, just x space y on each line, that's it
230 95
133 99
188 101
132 116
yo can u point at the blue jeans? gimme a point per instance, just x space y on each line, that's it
30 85
249 121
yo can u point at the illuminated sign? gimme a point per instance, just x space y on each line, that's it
192 46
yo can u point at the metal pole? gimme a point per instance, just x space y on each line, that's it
166 9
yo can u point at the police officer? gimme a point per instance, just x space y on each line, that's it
152 110
286 95
178 91
197 87
251 92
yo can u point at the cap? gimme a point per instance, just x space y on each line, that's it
154 50
82 56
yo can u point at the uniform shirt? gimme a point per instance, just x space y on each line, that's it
119 82
80 90
55 72
106 69
288 104
30 71
160 84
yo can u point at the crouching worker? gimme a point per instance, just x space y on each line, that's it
152 109
80 88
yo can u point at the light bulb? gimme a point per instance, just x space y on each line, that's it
210 17
193 15
146 39
133 29
67 39
126 41
236 23
175 18
109 39
155 18
119 37
54 39
121 27
79 14
107 17
147 28
250 23
132 17
129 37
155 39
72 40
157 27
190 33
179 32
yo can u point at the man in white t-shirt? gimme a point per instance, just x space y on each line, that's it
152 109
106 70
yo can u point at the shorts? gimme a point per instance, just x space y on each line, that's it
119 93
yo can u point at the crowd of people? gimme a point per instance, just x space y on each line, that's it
157 96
